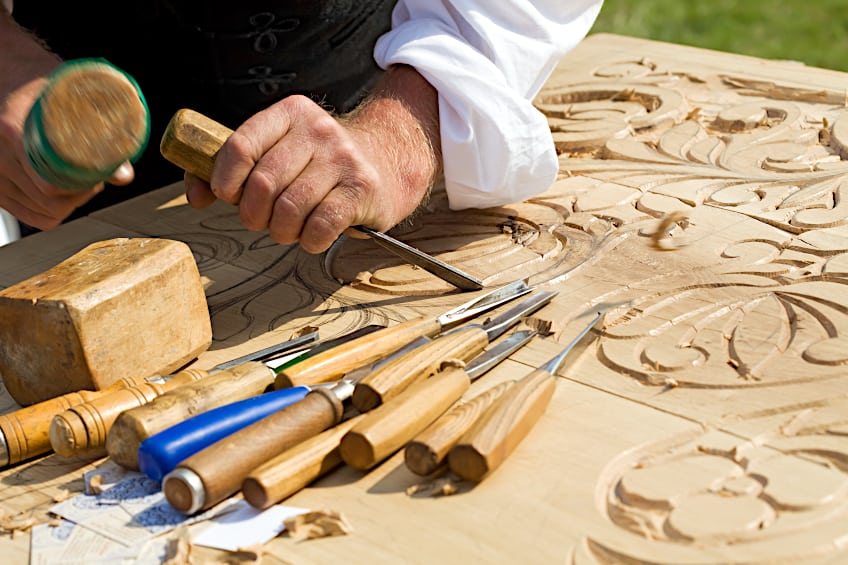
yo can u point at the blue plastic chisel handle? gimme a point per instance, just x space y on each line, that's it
162 452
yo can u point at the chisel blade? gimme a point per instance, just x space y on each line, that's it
444 271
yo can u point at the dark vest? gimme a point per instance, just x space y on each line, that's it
225 59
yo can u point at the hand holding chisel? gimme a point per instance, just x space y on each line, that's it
501 428
191 141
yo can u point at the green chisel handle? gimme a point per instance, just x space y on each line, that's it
332 364
388 427
427 452
499 431
393 378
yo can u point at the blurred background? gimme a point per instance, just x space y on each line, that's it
814 32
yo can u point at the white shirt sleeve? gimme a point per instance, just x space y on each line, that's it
488 59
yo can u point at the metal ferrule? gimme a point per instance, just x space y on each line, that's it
193 485
4 451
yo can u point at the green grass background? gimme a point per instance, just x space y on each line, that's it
814 32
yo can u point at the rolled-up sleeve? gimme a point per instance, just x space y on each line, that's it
488 59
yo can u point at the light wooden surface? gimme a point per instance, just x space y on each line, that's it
702 204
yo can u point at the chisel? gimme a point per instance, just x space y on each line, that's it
331 365
216 472
388 427
160 453
461 343
82 429
295 468
243 381
504 425
134 426
191 141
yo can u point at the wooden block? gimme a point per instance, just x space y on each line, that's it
122 307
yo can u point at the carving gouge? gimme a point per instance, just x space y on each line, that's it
461 343
25 433
331 365
388 427
290 471
191 141
502 427
160 453
243 381
216 472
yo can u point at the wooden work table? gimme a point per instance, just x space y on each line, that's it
702 206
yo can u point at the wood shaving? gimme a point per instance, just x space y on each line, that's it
452 363
95 485
661 238
543 327
179 547
304 330
317 524
442 486
63 494
17 524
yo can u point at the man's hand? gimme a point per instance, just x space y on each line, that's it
306 176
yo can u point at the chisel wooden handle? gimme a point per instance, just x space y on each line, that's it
428 450
161 452
134 426
26 431
295 468
393 378
217 471
497 433
388 427
81 429
332 364
191 141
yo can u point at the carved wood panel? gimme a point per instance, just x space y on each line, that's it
700 205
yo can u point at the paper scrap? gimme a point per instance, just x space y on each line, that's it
71 544
130 511
246 527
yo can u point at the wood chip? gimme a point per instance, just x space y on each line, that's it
179 547
95 485
442 486
317 524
